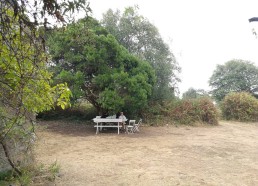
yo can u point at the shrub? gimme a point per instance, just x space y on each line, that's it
240 106
194 110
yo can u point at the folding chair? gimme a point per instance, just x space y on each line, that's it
130 126
137 126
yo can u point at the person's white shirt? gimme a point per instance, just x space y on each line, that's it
122 117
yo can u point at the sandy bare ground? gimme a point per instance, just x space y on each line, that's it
222 155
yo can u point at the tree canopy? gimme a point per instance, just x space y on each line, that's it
142 39
234 76
109 76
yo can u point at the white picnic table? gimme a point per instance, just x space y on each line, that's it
112 122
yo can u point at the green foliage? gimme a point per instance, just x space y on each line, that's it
25 89
53 170
24 75
111 100
142 39
240 106
74 80
110 78
194 110
234 76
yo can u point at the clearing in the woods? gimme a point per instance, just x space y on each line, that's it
226 154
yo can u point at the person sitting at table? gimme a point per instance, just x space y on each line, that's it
117 115
122 116
104 115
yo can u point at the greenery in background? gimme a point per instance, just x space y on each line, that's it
98 69
234 76
241 106
192 93
142 39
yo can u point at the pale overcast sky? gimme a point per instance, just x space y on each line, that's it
201 33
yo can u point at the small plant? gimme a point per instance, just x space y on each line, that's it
53 170
26 177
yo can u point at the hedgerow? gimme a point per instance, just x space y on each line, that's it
240 106
194 110
182 111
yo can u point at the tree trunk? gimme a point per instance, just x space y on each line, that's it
7 155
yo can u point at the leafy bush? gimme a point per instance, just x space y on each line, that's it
240 106
194 110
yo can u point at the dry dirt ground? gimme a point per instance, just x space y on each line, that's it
226 154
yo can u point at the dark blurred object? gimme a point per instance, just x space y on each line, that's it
253 19
104 115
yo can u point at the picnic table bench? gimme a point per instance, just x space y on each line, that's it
113 122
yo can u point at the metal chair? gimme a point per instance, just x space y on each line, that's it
130 126
137 126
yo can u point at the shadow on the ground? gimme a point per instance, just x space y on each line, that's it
84 129
73 128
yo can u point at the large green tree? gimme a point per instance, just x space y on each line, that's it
234 76
143 39
107 74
